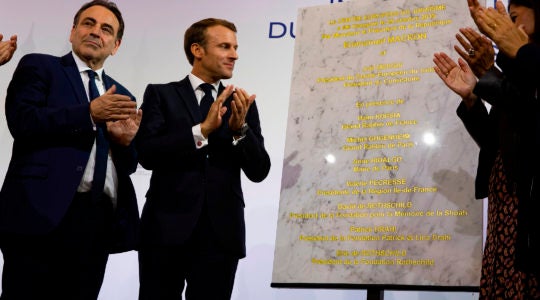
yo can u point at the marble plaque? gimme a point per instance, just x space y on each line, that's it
378 171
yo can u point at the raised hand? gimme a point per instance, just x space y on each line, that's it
476 50
474 9
240 106
497 25
217 110
457 76
7 48
122 132
112 107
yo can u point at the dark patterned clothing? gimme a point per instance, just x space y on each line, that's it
500 278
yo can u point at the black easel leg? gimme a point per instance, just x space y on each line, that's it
375 294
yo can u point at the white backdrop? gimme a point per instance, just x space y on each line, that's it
151 52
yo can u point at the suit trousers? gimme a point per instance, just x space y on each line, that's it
68 263
201 262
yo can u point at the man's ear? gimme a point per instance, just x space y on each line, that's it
116 46
71 34
197 50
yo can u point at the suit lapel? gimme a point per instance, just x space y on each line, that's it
72 73
185 91
107 81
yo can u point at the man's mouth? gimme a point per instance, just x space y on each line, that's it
93 43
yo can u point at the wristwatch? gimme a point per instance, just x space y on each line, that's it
243 130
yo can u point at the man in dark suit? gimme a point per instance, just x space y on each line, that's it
192 225
67 200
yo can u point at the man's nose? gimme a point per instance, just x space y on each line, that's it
234 53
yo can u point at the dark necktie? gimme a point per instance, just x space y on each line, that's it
102 146
206 100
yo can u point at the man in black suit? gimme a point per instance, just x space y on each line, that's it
192 225
67 200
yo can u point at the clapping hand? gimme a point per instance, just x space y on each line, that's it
7 48
457 76
122 132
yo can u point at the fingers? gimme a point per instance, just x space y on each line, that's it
463 65
444 66
249 98
217 110
500 8
474 45
495 17
469 44
7 48
521 30
242 100
442 75
137 117
474 8
226 93
485 24
472 36
14 43
444 62
473 3
243 97
122 132
241 103
118 101
112 107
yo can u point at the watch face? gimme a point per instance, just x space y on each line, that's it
244 129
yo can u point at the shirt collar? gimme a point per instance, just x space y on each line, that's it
81 65
196 81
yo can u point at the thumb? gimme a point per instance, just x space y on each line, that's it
111 90
222 111
522 32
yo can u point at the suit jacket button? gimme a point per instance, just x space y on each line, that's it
80 169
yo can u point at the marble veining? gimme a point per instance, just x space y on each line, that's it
344 75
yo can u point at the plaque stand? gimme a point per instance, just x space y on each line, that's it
375 294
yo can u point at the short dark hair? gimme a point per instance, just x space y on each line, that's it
196 34
108 5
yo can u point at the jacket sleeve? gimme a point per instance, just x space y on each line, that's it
164 143
124 157
254 160
35 114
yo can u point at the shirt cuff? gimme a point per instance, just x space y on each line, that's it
237 140
93 123
198 137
